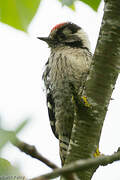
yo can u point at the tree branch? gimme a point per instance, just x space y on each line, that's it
32 151
80 165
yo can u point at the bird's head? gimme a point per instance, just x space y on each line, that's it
67 34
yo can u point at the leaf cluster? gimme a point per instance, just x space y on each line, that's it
19 13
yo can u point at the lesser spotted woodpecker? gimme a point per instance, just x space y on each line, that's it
68 64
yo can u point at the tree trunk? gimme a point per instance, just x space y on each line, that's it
91 110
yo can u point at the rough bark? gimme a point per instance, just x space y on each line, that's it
90 114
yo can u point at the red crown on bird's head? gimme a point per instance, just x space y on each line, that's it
58 26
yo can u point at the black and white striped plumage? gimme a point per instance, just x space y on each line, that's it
67 66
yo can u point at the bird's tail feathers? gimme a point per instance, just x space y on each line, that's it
63 143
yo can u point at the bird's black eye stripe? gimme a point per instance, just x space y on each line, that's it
77 44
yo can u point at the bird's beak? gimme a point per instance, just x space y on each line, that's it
46 39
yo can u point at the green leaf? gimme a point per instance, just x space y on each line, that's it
4 166
72 7
18 13
21 126
6 136
7 169
94 4
67 2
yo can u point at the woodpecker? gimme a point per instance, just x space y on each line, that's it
67 66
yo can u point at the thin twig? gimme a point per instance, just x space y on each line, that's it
32 151
80 165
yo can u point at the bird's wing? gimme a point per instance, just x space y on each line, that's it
50 100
